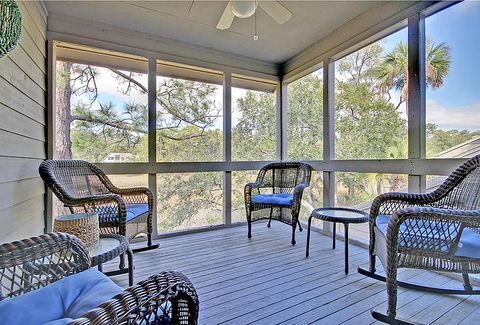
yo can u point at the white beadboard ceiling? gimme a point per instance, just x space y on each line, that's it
195 24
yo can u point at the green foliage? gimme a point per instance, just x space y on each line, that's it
186 199
305 118
254 136
392 72
367 124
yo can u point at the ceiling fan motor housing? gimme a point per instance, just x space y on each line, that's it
244 9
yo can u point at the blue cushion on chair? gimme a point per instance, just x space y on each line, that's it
60 301
136 210
276 199
469 245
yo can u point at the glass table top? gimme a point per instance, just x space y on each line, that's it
105 244
349 215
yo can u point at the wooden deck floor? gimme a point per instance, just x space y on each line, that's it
267 281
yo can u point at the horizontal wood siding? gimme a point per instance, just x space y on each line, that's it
22 128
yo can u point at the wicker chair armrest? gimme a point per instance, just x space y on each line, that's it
255 185
298 192
131 191
38 261
250 187
139 303
388 203
468 218
101 198
136 194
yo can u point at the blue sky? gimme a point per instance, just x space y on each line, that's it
459 27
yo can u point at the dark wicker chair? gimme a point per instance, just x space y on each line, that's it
277 194
83 187
34 263
437 231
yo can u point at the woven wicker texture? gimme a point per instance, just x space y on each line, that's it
10 26
83 225
425 229
165 298
83 187
29 264
275 178
33 263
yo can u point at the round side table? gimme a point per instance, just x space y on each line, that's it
340 215
109 247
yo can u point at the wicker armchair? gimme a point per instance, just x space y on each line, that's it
83 187
277 194
437 231
30 264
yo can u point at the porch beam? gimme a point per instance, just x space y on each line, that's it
416 111
227 147
397 166
152 135
329 184
282 121
50 129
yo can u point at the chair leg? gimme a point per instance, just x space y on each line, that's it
466 282
149 246
372 263
392 289
121 265
293 235
149 240
249 229
299 226
270 219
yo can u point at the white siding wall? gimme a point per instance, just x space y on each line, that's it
22 128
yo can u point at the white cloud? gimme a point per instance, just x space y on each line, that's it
460 118
108 87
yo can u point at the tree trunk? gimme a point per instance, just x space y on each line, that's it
63 116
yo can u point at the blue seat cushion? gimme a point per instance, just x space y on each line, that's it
133 211
136 210
59 302
275 199
468 246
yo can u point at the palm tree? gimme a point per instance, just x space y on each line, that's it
392 72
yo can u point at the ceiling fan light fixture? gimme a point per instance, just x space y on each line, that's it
244 9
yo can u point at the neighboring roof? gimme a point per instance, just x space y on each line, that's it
466 149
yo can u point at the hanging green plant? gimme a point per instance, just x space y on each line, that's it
10 26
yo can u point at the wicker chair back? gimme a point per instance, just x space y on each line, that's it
75 178
283 177
36 262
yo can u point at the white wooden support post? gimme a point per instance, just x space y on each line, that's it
152 135
416 98
281 116
50 136
227 147
329 185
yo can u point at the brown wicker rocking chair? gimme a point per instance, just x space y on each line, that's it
277 194
32 264
438 231
83 187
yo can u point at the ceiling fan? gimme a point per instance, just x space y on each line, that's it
246 8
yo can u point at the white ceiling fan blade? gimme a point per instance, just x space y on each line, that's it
227 17
276 11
